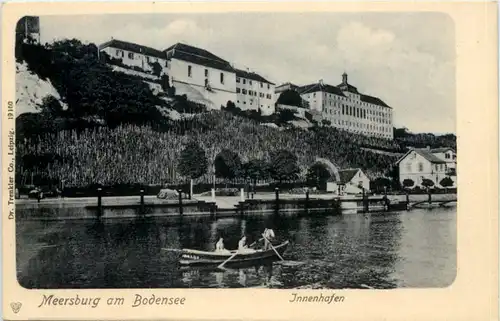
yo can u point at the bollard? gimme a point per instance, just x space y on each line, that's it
190 189
242 195
180 202
407 201
99 202
142 201
429 197
213 194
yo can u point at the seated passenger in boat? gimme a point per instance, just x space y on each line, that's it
219 247
243 247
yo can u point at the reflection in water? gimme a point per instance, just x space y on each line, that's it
386 250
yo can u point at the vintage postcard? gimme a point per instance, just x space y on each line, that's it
250 161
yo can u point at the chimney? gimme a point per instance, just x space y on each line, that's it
321 82
344 78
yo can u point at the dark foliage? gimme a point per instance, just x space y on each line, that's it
291 98
283 166
192 161
227 164
318 175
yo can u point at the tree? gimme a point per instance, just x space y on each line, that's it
285 115
51 106
283 166
446 182
290 97
193 161
318 175
156 68
408 183
427 183
381 183
227 164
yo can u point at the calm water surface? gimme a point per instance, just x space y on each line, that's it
380 250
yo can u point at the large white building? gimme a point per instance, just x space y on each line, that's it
254 92
199 74
346 108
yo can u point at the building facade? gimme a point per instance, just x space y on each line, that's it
254 92
346 108
350 181
420 164
134 55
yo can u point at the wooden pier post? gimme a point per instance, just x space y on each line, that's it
366 207
180 202
242 195
277 200
142 202
407 201
307 200
99 202
429 197
190 189
213 194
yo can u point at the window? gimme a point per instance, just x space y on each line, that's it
237 79
238 90
221 78
261 85
244 81
190 71
131 55
261 94
119 52
206 82
206 72
244 91
447 156
420 167
250 82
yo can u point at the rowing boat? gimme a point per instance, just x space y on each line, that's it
196 257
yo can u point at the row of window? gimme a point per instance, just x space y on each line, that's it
251 103
252 93
335 97
131 55
437 167
238 80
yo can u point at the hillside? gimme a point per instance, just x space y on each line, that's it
108 126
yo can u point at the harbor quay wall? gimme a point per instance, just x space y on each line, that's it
131 206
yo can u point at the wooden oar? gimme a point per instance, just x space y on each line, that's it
273 248
255 242
220 266
171 250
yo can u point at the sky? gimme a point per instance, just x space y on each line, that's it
405 59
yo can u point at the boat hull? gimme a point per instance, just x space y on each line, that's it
194 257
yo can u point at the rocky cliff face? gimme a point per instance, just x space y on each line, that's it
31 90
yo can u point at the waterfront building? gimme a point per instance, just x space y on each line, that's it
424 163
344 107
349 181
449 156
254 92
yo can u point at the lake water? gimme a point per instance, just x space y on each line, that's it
380 250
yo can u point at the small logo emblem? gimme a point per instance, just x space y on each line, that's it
16 306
